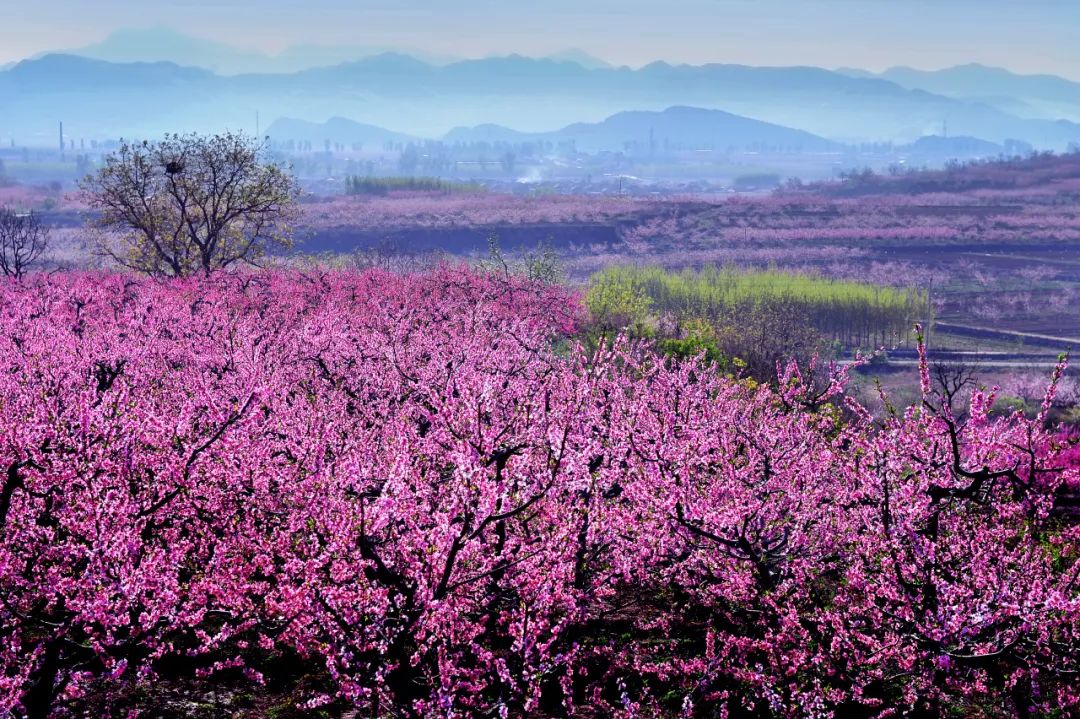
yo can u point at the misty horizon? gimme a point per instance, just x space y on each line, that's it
872 35
357 52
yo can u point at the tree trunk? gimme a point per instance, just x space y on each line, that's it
39 699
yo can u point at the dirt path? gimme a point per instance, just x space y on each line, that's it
1028 338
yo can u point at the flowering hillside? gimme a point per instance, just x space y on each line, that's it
422 493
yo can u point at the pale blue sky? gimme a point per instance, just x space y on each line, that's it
1024 35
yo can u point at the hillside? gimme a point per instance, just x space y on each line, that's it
335 130
676 127
1040 171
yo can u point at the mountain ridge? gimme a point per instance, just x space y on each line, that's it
694 128
418 98
1039 94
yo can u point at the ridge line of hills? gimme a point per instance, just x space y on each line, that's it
691 127
686 128
424 99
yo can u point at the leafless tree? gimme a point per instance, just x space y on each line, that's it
23 242
191 203
953 378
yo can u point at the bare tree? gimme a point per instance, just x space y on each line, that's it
23 242
191 203
954 379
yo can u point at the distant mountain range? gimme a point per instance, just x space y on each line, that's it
934 147
99 99
163 44
1038 96
587 61
335 130
677 127
684 128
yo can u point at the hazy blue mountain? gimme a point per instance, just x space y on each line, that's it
391 71
335 130
304 57
857 72
418 98
68 73
676 127
100 100
163 44
576 55
936 148
1045 96
528 94
692 128
487 133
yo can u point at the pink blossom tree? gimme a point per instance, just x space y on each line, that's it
423 489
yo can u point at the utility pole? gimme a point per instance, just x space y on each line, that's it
61 140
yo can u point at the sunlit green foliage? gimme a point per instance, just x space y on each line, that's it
616 300
853 313
698 338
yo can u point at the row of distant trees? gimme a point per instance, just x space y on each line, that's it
756 317
382 186
180 206
848 312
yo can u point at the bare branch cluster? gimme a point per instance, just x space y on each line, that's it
23 242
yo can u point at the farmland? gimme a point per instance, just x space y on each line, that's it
456 451
994 245
989 251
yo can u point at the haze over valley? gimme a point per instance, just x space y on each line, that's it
564 116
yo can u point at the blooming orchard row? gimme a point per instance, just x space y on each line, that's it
425 487
1023 217
436 210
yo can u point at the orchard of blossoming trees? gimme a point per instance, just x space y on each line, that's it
425 492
